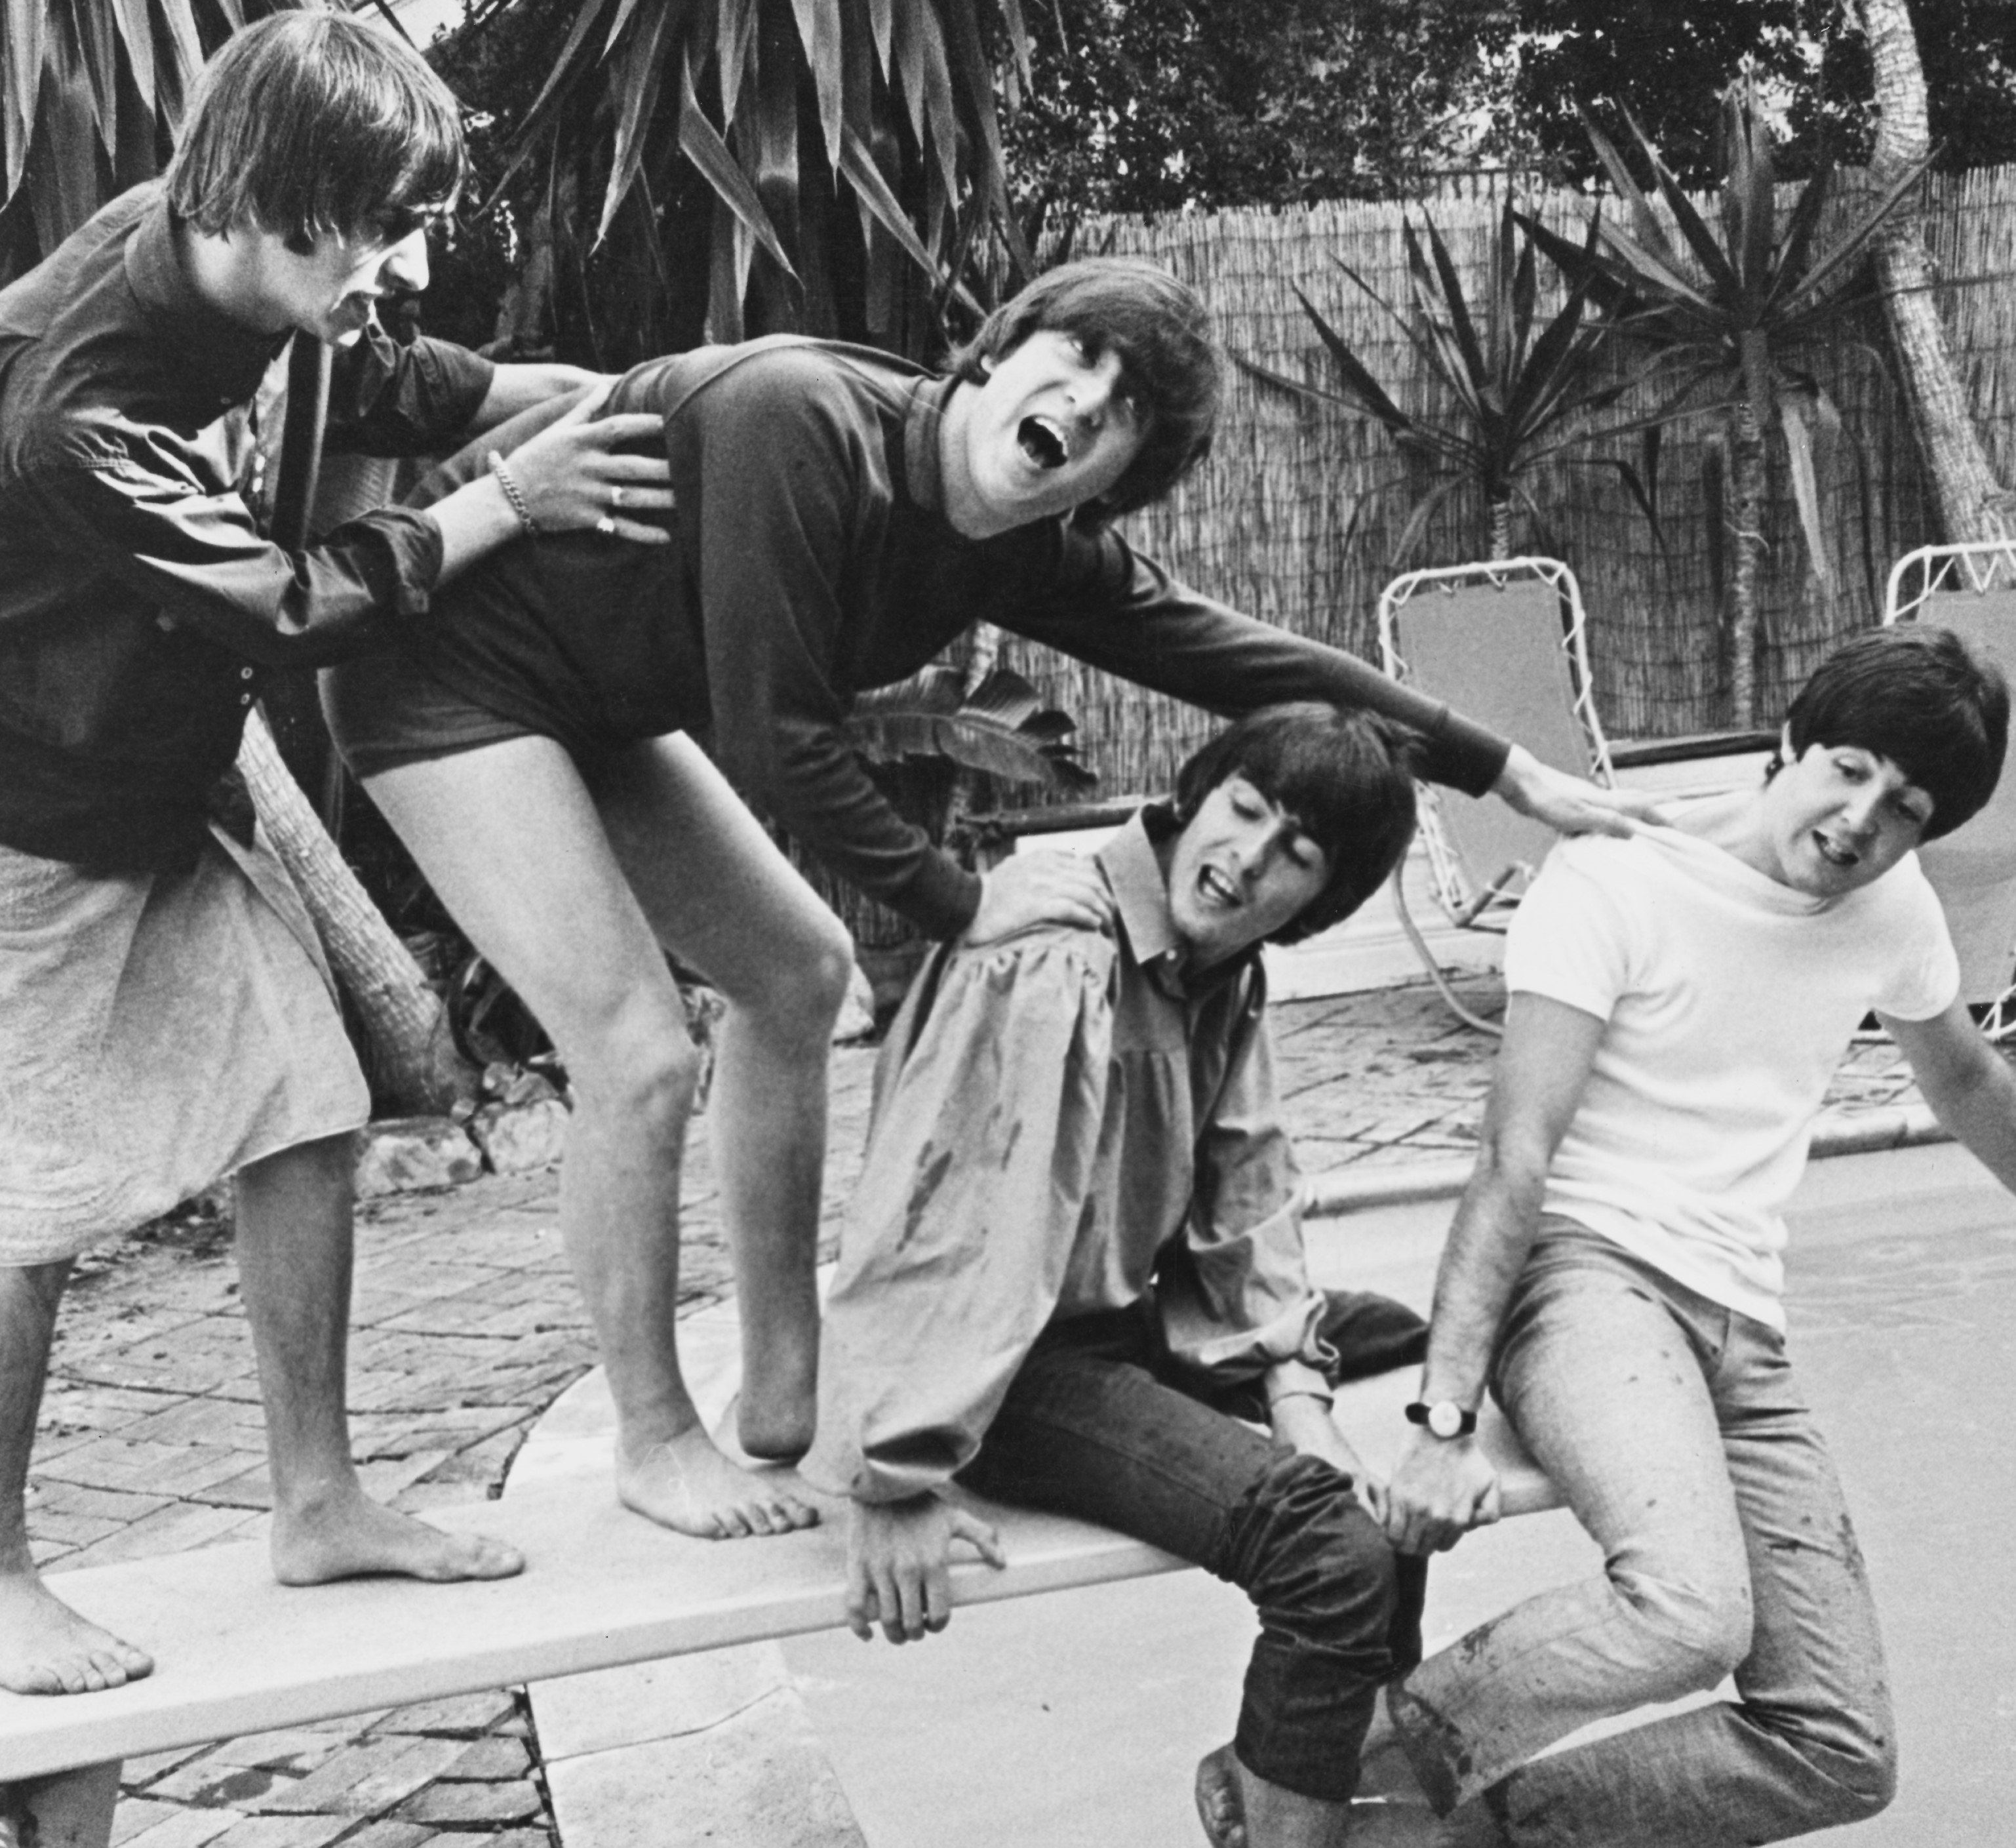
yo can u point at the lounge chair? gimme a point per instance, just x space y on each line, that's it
1971 590
1502 642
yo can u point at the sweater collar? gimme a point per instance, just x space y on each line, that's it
924 462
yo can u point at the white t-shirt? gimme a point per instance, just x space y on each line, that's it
1730 1000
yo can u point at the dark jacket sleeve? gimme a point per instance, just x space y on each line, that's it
1115 609
131 504
777 463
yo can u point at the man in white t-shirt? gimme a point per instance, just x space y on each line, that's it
1678 1001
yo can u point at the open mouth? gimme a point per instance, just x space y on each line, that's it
1043 442
1835 855
1215 886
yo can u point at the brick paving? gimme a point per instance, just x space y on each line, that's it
466 1327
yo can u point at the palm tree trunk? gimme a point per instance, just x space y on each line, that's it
414 1065
1972 503
1501 529
1746 558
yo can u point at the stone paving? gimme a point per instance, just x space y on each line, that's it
466 1327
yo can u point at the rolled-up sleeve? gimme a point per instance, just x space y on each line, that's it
1235 1298
163 533
980 1168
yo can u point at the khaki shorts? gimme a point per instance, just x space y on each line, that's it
157 1032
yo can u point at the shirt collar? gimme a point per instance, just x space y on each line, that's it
218 357
1133 869
1140 894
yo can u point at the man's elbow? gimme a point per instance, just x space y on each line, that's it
1512 1161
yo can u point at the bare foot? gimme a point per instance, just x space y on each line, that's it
1220 1806
46 1647
777 1408
684 1483
350 1536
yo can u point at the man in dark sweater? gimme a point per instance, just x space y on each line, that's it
165 1016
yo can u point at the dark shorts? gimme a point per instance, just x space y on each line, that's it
385 710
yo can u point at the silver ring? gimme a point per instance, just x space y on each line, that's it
616 497
606 526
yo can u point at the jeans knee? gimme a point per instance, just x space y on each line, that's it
1853 1745
1315 1565
1868 1777
1694 1634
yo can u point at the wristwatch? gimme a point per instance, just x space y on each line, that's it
1443 1419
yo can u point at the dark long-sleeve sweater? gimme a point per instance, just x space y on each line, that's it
813 560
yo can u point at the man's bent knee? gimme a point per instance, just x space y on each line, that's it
643 1066
1315 1563
800 995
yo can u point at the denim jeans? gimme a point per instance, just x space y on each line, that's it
1098 1423
1674 1430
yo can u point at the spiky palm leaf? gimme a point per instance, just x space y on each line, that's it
1740 315
1516 396
1734 316
91 94
781 107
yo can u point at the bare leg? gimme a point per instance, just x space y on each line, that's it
45 1647
512 840
732 906
294 1241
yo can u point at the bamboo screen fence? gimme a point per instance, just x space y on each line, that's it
1267 523
1263 523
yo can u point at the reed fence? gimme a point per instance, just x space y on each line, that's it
1267 523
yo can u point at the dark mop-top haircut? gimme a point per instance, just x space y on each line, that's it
1918 695
1169 370
308 124
1348 778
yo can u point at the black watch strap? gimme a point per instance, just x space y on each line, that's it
1445 1418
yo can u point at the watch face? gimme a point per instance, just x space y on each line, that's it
1444 1420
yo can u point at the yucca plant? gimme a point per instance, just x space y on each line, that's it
825 166
1516 391
91 94
1735 316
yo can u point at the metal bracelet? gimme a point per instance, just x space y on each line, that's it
512 494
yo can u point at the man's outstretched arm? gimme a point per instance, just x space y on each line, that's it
1967 1081
1442 1487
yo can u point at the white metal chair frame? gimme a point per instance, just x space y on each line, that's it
1466 904
1489 906
1979 565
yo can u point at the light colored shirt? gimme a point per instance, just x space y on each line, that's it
1730 1000
1063 1126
